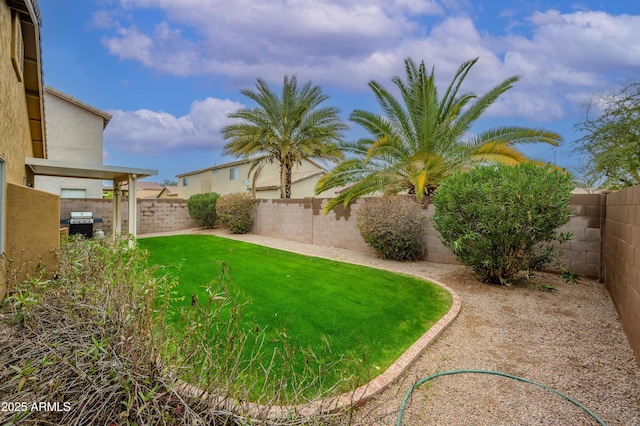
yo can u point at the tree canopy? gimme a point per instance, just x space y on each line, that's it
421 139
285 129
610 146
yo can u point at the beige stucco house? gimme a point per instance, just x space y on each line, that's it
74 133
235 177
29 218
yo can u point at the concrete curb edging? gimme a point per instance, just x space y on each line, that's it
347 400
366 392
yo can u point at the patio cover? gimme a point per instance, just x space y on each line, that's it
119 176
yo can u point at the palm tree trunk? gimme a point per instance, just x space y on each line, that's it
287 183
282 179
285 177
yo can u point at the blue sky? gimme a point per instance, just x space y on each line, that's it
171 70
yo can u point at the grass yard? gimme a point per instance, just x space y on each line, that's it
364 313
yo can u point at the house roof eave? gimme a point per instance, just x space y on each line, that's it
106 117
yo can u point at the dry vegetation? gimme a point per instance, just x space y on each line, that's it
86 348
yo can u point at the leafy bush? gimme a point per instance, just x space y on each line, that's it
202 208
393 226
236 212
500 220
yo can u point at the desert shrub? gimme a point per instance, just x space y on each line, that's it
99 345
393 226
235 211
202 208
501 220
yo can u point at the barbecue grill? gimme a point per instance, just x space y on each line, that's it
81 223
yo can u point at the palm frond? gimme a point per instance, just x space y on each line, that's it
288 127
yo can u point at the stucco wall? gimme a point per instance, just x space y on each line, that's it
15 135
194 185
622 259
73 134
33 223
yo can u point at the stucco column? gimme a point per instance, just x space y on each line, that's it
133 208
117 202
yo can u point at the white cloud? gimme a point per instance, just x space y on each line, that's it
582 41
348 42
285 31
152 132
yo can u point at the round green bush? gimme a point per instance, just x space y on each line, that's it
202 208
393 226
236 212
501 220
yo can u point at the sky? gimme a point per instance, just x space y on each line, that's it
170 71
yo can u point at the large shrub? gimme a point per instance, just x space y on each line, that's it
500 220
236 212
202 208
393 226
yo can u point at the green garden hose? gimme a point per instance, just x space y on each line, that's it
496 373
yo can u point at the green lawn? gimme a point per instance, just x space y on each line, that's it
363 312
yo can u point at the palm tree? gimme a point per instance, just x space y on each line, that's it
285 129
419 140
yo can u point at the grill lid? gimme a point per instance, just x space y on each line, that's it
81 215
78 218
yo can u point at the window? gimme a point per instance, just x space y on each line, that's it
185 181
233 173
73 193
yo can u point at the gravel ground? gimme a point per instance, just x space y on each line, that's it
570 340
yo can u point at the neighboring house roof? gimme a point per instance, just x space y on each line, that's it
141 186
221 166
295 177
171 189
236 163
149 186
106 117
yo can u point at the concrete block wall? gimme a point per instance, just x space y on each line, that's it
622 259
154 215
583 253
163 215
302 220
288 219
338 228
100 207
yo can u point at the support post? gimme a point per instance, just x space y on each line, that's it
117 214
133 208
